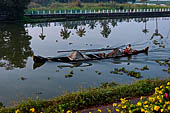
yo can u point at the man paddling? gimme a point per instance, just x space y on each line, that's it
129 50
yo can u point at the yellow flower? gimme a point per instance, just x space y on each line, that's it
119 105
114 104
160 92
139 104
123 107
168 107
117 110
146 111
141 98
156 108
32 109
89 112
142 110
152 99
156 88
145 102
146 106
99 110
162 110
121 112
123 100
160 100
161 86
168 83
17 111
167 102
69 111
109 110
130 111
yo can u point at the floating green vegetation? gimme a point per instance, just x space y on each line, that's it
81 70
106 84
165 62
134 74
143 68
155 42
70 74
57 70
123 70
99 73
22 78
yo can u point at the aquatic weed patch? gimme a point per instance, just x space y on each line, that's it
129 73
165 63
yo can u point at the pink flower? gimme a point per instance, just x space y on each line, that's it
166 96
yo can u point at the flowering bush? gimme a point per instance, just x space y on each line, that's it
159 102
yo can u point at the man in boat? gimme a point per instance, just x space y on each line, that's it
76 55
129 50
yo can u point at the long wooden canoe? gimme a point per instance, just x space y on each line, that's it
40 59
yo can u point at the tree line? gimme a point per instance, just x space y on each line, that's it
84 1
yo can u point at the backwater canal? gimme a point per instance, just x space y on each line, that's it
19 42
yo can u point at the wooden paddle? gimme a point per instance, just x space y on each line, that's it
89 50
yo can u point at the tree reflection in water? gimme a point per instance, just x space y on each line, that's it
81 32
65 33
15 46
106 29
156 33
42 36
145 30
92 24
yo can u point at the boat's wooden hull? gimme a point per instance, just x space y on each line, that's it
39 59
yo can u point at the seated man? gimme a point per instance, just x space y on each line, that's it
76 55
128 49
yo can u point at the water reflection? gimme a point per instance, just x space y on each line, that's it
145 30
81 32
64 33
42 36
106 29
15 46
76 64
91 24
156 33
66 65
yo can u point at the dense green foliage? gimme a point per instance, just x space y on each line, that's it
107 93
13 9
45 2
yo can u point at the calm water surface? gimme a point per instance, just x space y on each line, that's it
19 42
